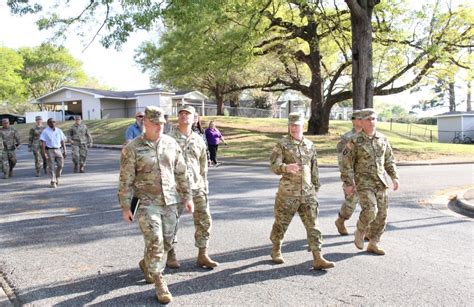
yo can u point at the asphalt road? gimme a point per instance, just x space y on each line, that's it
68 246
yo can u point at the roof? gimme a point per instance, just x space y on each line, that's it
185 93
456 114
109 94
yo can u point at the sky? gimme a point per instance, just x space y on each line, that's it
112 68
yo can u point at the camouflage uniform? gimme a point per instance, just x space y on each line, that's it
194 152
350 201
80 139
156 174
366 159
34 145
296 192
3 158
11 140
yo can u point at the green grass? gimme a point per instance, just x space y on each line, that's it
251 138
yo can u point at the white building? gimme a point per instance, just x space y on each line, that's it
452 123
100 104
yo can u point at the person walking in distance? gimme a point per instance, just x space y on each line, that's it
11 142
134 129
152 169
366 158
214 138
34 145
81 140
53 148
194 151
350 201
3 159
294 158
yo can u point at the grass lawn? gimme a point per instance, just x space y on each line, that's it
251 138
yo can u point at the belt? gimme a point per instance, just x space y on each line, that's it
52 147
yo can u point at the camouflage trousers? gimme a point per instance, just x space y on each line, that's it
202 220
158 225
307 208
79 154
4 161
373 216
55 163
348 206
39 160
11 156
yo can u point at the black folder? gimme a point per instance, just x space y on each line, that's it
134 205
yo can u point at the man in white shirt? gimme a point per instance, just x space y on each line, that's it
52 141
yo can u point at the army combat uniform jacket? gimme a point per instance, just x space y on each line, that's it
79 134
194 152
368 159
288 151
34 139
11 138
153 172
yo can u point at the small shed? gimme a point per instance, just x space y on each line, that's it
453 123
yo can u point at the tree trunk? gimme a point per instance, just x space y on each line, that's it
219 101
468 98
362 74
319 121
452 99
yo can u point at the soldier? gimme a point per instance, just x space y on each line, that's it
152 168
294 157
11 141
53 147
80 139
366 158
3 159
350 201
194 151
34 145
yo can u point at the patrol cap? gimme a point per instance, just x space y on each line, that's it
5 120
365 113
355 114
77 117
155 115
38 118
296 118
188 109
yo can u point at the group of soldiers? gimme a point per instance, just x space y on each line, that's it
48 147
168 173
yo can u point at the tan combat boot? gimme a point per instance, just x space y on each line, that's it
359 239
319 263
148 277
81 169
203 259
374 249
341 228
10 173
162 293
5 175
76 168
276 254
172 261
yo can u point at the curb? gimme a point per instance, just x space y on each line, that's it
7 295
461 205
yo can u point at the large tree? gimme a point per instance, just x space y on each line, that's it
12 86
311 40
47 68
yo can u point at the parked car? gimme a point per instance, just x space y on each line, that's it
69 115
18 119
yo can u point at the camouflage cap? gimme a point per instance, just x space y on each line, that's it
5 120
187 108
155 115
38 118
355 114
77 117
296 118
365 113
